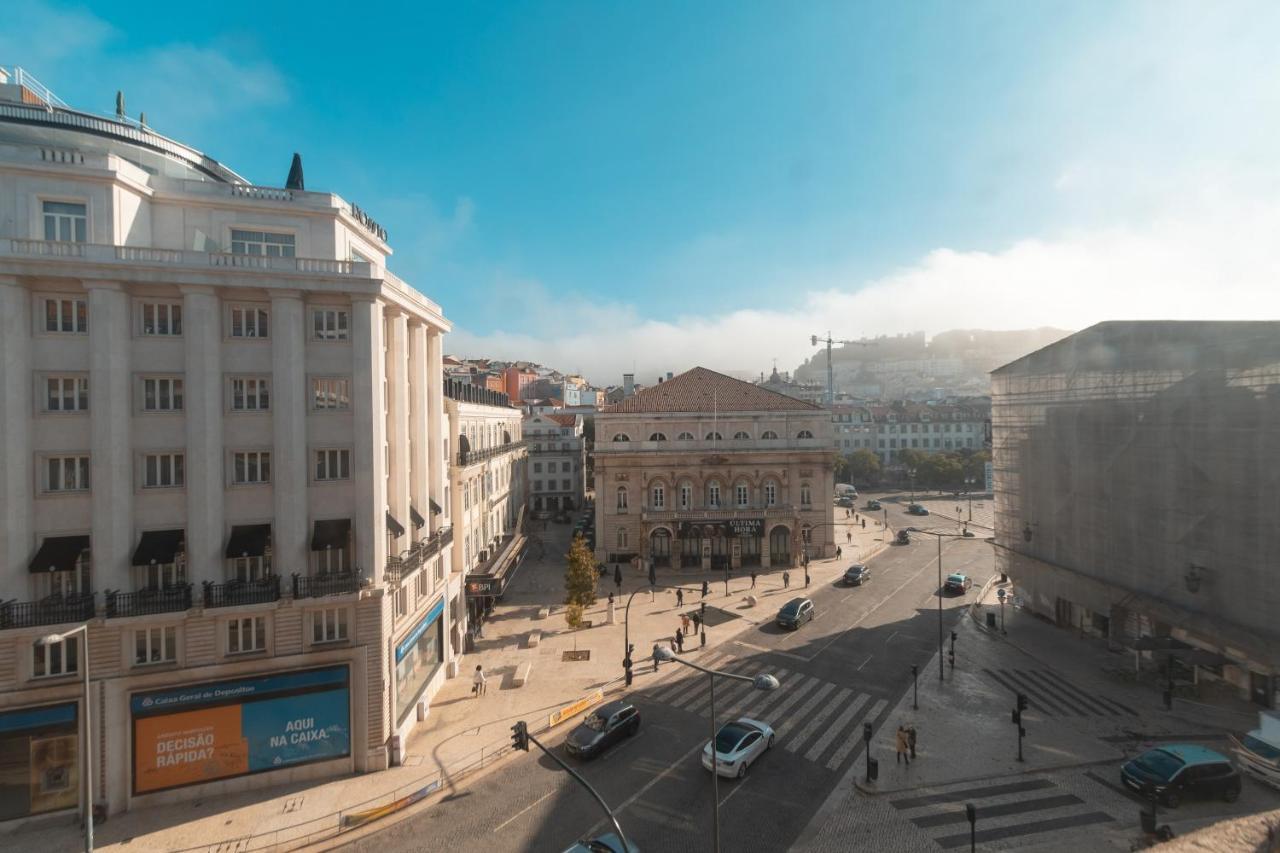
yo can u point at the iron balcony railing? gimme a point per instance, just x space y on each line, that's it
237 593
54 610
469 457
319 586
171 599
412 559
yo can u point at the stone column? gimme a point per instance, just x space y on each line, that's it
17 542
289 452
111 425
419 450
397 367
205 462
369 425
437 425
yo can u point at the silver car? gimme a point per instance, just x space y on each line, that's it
738 744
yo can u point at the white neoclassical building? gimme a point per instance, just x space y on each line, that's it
703 471
222 448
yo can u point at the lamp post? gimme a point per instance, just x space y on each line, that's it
969 483
764 681
52 639
911 472
939 537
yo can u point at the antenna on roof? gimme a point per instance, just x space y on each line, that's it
295 181
142 119
119 103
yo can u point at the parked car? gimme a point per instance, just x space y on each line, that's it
1180 771
607 843
857 575
873 504
904 538
846 502
795 613
737 745
958 582
602 728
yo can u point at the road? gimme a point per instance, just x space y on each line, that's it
850 665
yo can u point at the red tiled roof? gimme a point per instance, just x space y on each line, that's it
702 390
564 420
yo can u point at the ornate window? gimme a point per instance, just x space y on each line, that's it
713 495
806 495
622 436
622 498
685 436
657 436
714 436
770 494
740 436
742 494
768 435
686 496
658 498
804 433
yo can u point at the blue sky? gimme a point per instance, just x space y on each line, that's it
608 186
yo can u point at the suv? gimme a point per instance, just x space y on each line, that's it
795 613
904 538
1181 771
602 728
873 504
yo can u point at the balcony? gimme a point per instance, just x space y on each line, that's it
320 586
54 610
409 561
471 457
173 599
239 593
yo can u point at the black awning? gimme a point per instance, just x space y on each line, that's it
435 507
59 554
159 546
248 540
332 533
416 517
396 528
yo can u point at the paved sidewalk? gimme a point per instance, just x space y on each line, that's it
467 732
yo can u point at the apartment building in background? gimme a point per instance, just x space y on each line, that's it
222 448
557 461
888 429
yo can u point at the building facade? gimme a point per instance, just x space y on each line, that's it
557 461
221 439
887 430
1134 465
704 471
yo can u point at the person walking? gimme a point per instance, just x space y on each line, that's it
478 682
679 641
705 589
806 576
655 657
679 597
900 743
864 526
839 552
753 578
849 535
786 580
911 740
617 578
684 622
697 621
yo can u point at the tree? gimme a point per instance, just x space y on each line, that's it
911 458
841 468
864 467
580 580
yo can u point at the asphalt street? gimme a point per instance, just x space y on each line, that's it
849 666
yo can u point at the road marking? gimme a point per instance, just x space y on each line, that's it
733 703
840 700
734 689
802 713
843 752
522 811
865 662
736 788
644 789
815 751
619 746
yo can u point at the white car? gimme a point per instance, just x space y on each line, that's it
737 745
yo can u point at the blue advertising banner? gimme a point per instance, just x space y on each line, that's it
296 729
403 647
38 718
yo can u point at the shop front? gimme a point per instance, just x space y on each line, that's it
419 656
221 730
39 760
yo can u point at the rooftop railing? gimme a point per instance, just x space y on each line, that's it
238 593
319 586
470 457
172 599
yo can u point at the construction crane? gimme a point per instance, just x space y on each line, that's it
814 340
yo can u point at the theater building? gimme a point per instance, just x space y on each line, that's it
703 471
221 450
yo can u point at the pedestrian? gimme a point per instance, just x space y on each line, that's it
786 580
478 682
753 578
617 578
655 657
684 622
849 535
900 743
679 597
679 641
839 552
806 576
697 621
911 740
864 526
705 589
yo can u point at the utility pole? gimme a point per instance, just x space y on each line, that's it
814 340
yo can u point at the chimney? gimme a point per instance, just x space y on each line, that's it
668 374
628 384
659 380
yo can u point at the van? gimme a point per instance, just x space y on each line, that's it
846 490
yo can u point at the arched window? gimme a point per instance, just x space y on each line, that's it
622 436
658 497
806 495
657 436
622 498
713 495
686 496
741 495
622 537
740 436
714 436
770 494
685 436
804 433
768 435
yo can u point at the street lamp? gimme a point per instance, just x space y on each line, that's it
969 483
53 639
763 681
911 472
939 537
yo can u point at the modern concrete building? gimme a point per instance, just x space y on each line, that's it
1135 467
705 471
487 491
222 442
557 461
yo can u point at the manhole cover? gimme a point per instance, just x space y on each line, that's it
714 616
584 654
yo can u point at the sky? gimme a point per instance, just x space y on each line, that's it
606 186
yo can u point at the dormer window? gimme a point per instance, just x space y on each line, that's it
622 436
685 436
714 436
740 436
657 436
804 433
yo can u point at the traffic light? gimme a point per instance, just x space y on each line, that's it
1017 717
520 736
953 639
952 656
866 732
915 671
1022 701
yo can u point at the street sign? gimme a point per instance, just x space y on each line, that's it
1000 594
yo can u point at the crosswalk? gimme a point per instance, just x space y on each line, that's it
1051 694
1022 808
814 718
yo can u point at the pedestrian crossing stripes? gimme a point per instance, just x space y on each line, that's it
998 808
811 717
1049 693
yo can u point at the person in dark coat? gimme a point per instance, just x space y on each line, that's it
679 597
617 577
753 578
911 740
679 641
705 589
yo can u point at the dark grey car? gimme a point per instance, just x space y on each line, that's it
857 575
602 728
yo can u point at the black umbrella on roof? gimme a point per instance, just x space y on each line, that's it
295 181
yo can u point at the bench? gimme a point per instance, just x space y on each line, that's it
522 675
535 637
544 612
